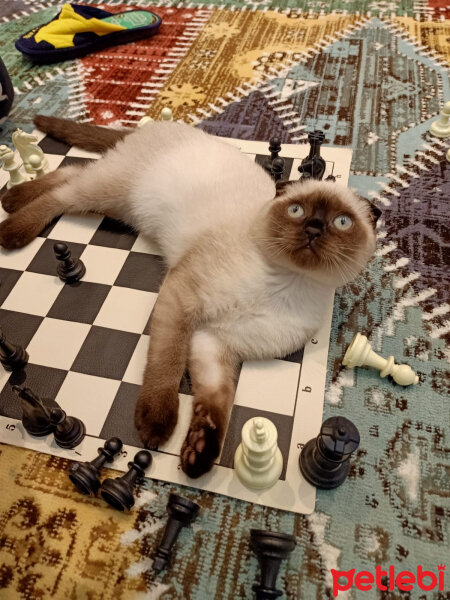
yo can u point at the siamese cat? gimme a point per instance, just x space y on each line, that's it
250 267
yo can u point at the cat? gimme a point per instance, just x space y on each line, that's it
250 266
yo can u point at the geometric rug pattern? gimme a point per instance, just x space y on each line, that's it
373 76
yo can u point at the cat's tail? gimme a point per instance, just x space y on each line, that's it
89 137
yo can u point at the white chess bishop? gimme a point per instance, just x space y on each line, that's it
258 460
360 354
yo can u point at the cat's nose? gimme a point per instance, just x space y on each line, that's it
314 228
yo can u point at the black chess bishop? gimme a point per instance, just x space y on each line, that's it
69 432
12 356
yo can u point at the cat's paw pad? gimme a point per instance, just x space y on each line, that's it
202 444
155 424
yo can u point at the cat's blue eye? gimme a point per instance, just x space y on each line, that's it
343 222
295 210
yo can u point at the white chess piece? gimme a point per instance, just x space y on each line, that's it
166 114
360 354
258 460
7 156
441 127
447 156
27 146
144 121
36 164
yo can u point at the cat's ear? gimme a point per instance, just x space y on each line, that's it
282 186
375 213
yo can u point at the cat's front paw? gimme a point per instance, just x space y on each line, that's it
202 444
155 417
18 196
17 231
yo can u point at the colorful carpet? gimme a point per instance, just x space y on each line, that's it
372 75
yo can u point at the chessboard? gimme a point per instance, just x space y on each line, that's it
87 344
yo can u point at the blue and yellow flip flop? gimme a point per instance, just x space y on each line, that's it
78 30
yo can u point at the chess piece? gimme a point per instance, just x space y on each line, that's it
324 461
441 127
26 144
166 114
144 121
118 492
36 165
258 460
274 149
69 431
277 169
447 156
313 165
360 354
7 156
85 476
271 548
181 512
35 415
12 357
69 270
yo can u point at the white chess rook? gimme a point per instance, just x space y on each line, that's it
441 127
360 354
258 460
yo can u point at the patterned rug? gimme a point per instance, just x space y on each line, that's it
372 75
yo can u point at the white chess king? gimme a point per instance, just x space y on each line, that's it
360 354
258 460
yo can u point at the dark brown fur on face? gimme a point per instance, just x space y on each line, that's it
312 241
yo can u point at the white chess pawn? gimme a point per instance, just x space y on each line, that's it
166 114
26 144
258 460
7 156
144 121
360 354
36 164
441 127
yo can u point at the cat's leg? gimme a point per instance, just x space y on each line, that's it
86 190
157 407
213 375
21 195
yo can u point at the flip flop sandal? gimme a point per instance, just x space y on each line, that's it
78 30
6 92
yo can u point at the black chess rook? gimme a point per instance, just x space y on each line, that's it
69 270
118 492
181 512
85 476
324 461
12 357
271 548
69 431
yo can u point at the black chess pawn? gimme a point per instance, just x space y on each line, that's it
324 459
35 415
69 269
118 492
69 431
274 149
12 357
277 169
85 476
271 548
181 512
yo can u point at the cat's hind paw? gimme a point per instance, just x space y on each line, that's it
155 420
202 444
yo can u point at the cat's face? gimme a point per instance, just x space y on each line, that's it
323 229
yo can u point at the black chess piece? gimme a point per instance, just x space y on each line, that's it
275 149
271 548
181 512
12 357
118 492
35 415
313 165
69 431
85 476
277 169
69 269
324 459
